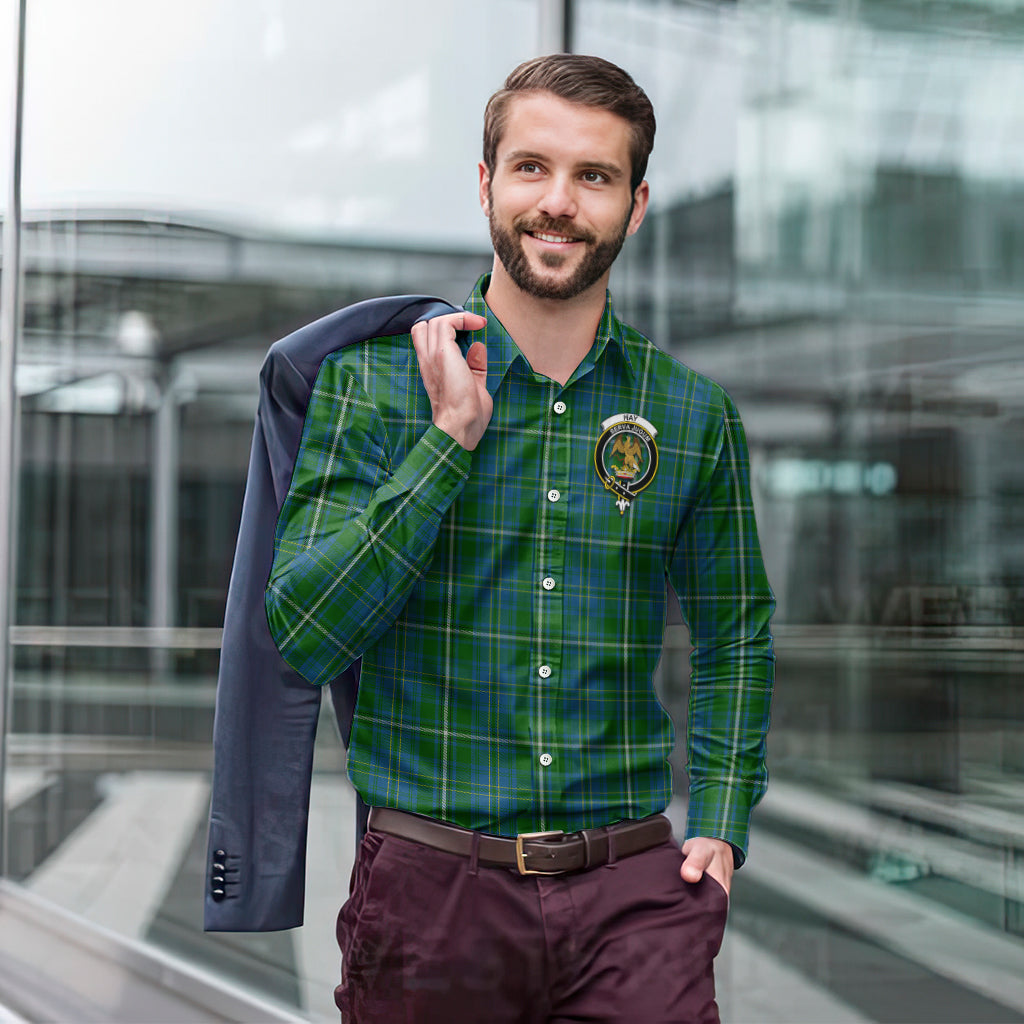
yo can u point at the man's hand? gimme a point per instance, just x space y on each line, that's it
711 855
457 386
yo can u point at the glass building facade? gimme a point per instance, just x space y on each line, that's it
836 235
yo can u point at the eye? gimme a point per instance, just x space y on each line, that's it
529 167
594 177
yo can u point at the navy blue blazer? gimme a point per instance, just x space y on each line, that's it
266 713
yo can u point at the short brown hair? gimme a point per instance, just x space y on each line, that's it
577 78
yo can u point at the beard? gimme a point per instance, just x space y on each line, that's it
599 255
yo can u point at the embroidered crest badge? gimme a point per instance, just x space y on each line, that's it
626 457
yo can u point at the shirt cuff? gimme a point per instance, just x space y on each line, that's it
433 472
719 811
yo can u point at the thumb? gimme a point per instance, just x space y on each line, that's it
694 864
477 357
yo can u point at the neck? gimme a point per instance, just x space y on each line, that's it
553 334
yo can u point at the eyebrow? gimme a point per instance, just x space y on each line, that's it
613 171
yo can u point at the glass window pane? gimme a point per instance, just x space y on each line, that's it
200 179
836 236
357 120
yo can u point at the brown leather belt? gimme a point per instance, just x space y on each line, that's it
530 853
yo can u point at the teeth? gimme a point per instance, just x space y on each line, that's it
551 238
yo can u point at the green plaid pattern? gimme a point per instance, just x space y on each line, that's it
509 617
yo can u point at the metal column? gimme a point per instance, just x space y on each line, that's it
10 318
554 26
163 548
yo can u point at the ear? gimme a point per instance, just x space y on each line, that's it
485 182
640 199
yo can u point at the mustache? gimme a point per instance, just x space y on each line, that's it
552 226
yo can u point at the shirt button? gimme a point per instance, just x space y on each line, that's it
548 583
559 407
544 671
545 759
554 495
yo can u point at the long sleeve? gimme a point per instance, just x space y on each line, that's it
355 531
725 598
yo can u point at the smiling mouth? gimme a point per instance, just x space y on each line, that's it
546 237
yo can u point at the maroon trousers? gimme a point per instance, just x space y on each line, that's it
432 938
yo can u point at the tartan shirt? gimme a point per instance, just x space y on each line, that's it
509 603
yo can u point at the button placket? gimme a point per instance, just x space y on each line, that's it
550 564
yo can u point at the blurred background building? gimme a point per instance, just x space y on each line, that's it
836 236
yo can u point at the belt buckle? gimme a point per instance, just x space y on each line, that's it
520 856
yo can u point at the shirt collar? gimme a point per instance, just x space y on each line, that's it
502 351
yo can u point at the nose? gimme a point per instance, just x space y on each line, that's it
559 198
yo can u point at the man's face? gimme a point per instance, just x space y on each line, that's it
559 203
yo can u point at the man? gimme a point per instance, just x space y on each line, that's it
491 529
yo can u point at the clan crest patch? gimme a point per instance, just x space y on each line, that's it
626 457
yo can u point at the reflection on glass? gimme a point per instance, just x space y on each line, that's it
331 120
854 278
200 179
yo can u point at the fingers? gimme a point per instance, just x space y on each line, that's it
447 325
472 322
434 339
